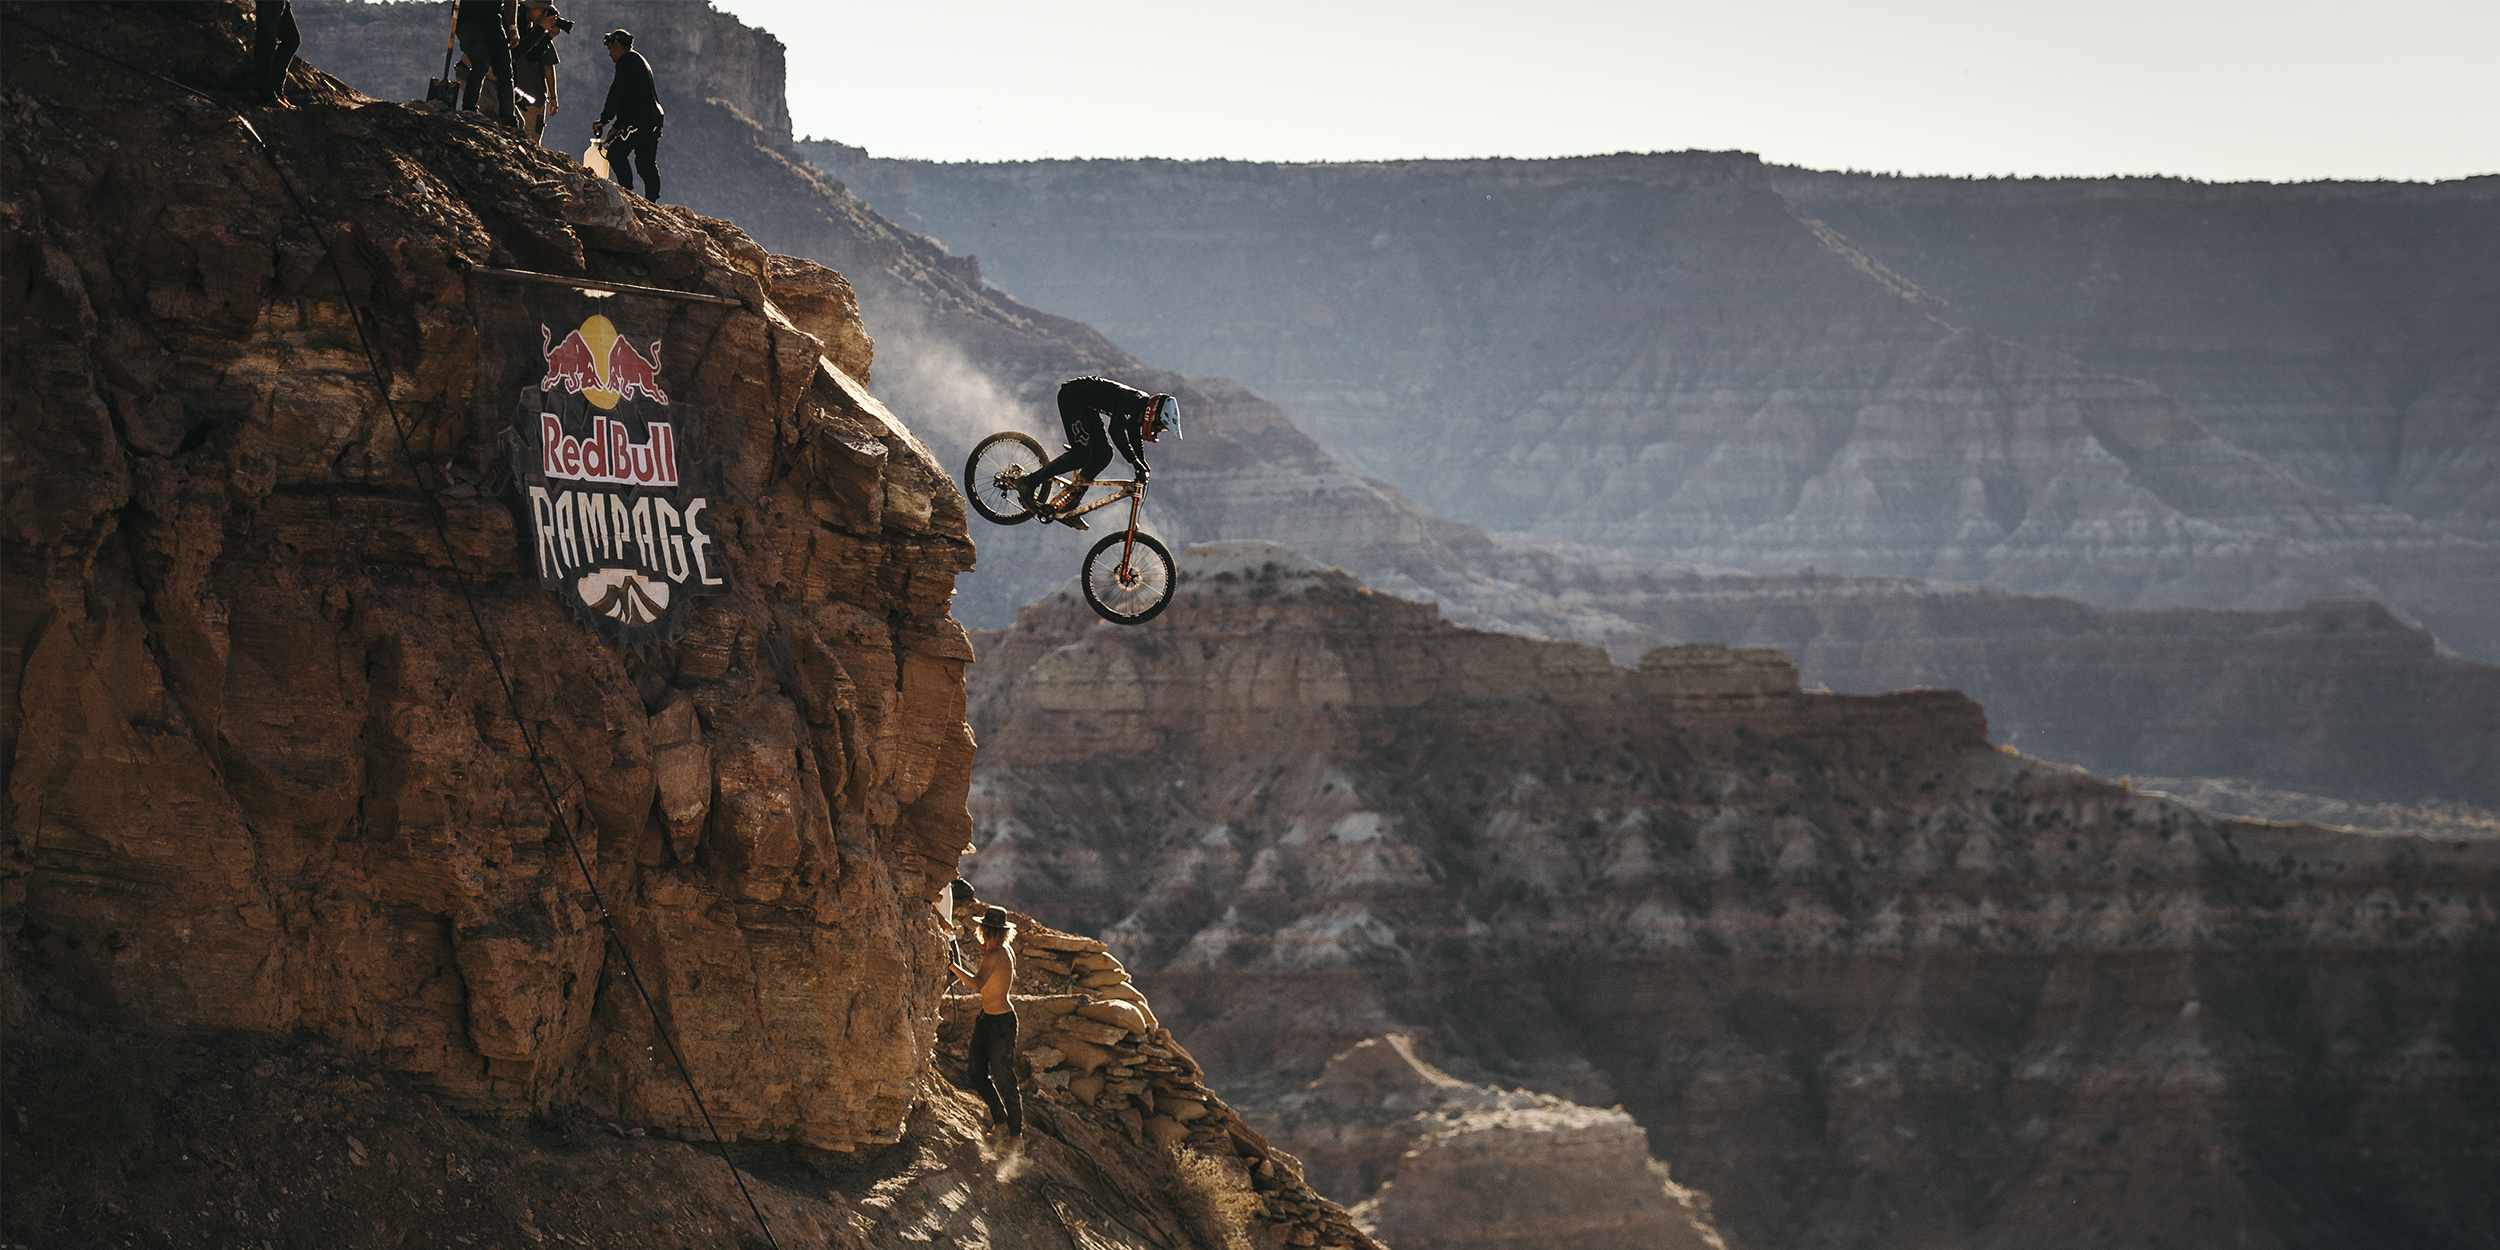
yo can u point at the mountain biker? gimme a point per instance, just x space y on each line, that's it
1083 403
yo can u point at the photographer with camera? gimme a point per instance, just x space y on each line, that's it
534 58
634 104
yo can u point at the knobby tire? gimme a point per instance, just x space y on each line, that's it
989 483
1138 601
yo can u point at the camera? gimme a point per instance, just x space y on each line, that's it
564 25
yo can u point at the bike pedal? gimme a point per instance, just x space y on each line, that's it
1075 522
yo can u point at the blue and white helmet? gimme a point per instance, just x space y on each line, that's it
1163 412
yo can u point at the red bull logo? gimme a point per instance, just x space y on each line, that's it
597 363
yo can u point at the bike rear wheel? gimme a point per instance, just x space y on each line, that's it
1128 583
995 472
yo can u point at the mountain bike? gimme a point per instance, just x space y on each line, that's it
1128 577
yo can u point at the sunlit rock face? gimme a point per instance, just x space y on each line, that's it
1663 355
2343 330
1856 973
1439 1162
263 775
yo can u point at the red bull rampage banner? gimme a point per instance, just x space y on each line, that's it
613 486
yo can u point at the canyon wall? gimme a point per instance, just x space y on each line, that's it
1663 356
2331 698
1861 977
2349 332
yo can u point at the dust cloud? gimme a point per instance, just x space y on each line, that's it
946 399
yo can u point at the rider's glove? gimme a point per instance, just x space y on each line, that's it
1143 473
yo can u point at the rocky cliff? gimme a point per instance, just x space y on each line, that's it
1662 355
1861 977
1442 1163
410 666
2345 331
262 771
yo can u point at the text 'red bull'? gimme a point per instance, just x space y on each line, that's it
609 454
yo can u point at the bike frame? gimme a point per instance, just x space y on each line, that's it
1129 489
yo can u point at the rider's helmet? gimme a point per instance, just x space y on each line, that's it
1162 413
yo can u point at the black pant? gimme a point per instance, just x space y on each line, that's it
1089 453
274 41
994 1069
641 143
484 44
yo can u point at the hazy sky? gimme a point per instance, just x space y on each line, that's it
2216 89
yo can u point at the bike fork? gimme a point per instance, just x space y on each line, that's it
1129 544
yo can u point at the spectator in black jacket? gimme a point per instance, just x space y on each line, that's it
634 105
487 30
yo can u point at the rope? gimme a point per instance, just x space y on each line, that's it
460 578
593 284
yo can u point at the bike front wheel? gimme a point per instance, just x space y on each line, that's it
1129 580
995 474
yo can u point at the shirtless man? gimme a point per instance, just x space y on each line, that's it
993 1060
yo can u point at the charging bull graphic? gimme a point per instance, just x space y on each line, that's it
595 361
612 487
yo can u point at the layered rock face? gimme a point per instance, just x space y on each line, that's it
1861 977
1661 355
2334 697
2345 331
263 774
1439 1162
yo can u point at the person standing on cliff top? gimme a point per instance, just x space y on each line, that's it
487 31
634 104
1083 402
993 1059
535 58
274 41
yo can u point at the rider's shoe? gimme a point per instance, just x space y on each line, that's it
1074 522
